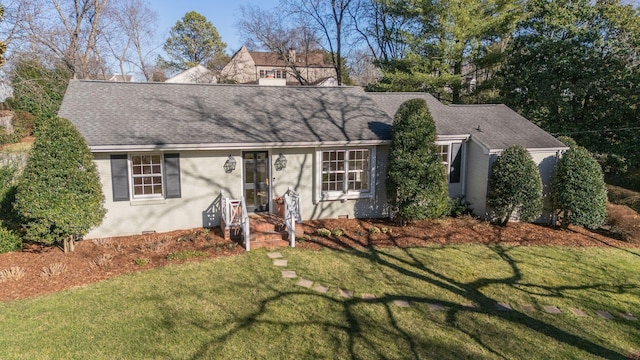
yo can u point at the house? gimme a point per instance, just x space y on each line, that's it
115 77
249 67
196 75
180 150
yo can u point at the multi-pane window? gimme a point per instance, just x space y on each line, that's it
346 170
451 157
443 151
277 74
146 175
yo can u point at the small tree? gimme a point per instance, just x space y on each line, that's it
416 181
578 191
515 186
60 194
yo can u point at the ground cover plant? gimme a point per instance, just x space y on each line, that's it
241 307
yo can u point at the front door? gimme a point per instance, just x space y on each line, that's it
256 180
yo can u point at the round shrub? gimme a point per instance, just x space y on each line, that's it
416 178
578 191
515 186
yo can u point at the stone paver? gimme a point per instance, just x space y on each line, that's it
578 312
366 296
470 305
321 289
552 309
289 274
604 314
305 283
503 306
345 293
436 307
629 316
274 255
280 262
401 303
528 308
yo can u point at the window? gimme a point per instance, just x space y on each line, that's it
451 157
345 172
146 176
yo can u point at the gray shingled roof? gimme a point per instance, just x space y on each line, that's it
164 113
495 126
134 114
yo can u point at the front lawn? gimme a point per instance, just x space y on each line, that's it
240 307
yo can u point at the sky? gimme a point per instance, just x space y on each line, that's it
222 13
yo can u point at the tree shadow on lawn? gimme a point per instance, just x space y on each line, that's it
357 328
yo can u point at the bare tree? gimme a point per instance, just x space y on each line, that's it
131 40
331 18
261 30
382 26
66 30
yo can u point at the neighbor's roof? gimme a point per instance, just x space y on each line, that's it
111 114
310 59
495 126
119 115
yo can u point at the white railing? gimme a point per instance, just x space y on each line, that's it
245 225
234 214
291 214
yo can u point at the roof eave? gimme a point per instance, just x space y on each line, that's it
232 146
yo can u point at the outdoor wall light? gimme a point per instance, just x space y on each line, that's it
281 162
230 164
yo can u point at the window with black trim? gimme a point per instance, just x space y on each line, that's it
145 176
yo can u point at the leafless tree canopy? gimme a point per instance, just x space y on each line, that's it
82 34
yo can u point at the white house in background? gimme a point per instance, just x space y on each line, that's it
248 67
195 75
116 77
165 161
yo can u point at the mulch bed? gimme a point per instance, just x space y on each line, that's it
97 260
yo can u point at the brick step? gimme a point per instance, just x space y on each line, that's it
269 244
267 236
259 226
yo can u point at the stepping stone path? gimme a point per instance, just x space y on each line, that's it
552 309
528 308
604 314
288 274
321 289
401 303
629 316
578 312
305 283
345 293
278 260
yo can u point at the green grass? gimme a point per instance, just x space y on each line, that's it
240 307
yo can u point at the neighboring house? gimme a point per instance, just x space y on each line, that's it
115 77
164 161
248 67
195 75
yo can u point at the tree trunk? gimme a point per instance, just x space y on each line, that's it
69 244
